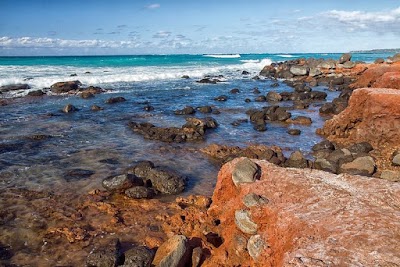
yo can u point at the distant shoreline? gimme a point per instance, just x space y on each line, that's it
372 51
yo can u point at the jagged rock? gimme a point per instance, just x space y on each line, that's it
260 98
138 257
172 253
246 171
185 77
244 222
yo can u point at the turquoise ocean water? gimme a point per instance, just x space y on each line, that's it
102 143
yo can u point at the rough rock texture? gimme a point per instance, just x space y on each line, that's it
313 218
172 253
373 116
65 87
378 76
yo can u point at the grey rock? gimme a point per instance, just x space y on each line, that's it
299 70
140 256
323 145
245 171
108 255
121 182
314 72
251 200
294 131
273 96
172 253
344 58
256 245
349 65
14 87
141 169
296 160
185 111
396 159
360 166
166 181
244 222
327 64
393 176
325 165
196 256
69 108
360 148
139 192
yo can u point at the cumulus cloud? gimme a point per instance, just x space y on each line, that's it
30 42
153 6
372 21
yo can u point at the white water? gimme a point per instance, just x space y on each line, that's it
223 55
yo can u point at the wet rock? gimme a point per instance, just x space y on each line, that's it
344 58
139 192
121 182
87 94
140 256
245 72
5 252
326 144
294 132
251 200
268 71
393 176
256 91
297 160
282 115
73 75
235 91
148 108
260 98
205 109
256 245
142 169
108 255
95 108
166 181
114 100
172 253
244 222
246 171
14 87
303 120
185 77
300 105
196 256
36 93
221 98
247 100
302 88
65 87
69 108
274 85
239 122
360 166
299 70
185 111
208 80
273 96
260 127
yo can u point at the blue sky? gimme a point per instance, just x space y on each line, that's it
89 27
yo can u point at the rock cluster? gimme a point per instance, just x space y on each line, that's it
194 129
144 180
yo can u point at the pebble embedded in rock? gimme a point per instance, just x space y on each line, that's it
256 245
244 222
172 253
245 171
251 200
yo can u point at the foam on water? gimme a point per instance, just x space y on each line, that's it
223 55
287 56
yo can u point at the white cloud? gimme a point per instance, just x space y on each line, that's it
153 6
162 34
372 21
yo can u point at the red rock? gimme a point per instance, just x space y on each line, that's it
313 218
388 80
372 77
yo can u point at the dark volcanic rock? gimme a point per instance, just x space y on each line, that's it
208 80
36 93
140 256
139 192
114 100
65 87
148 108
221 98
13 87
185 111
121 182
108 255
235 91
166 181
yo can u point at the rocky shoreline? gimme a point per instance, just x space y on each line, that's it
339 209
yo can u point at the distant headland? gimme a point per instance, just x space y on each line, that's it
392 50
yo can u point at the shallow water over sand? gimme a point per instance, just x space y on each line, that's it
80 149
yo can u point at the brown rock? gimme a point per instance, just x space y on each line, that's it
65 87
172 253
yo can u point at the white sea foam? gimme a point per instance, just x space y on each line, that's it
223 55
44 76
250 60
